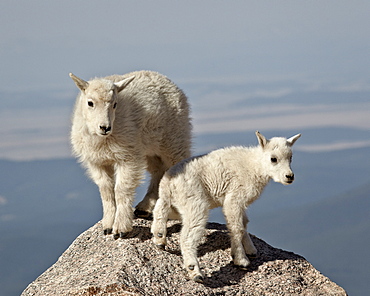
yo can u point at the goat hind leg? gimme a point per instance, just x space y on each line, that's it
156 168
159 225
191 234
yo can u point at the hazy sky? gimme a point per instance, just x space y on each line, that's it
312 43
42 41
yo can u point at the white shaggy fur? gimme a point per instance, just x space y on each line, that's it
122 125
233 178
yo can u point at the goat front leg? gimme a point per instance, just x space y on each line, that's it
128 178
103 176
248 245
234 220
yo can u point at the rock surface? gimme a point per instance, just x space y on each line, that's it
95 264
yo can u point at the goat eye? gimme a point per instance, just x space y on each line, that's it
115 105
273 159
90 103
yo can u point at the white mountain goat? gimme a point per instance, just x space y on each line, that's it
233 178
122 125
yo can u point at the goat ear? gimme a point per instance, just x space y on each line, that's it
123 83
261 139
292 140
81 84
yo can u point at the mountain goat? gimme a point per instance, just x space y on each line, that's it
233 178
122 125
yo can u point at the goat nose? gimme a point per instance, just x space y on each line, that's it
105 128
290 177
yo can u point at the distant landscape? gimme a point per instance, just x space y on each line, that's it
323 216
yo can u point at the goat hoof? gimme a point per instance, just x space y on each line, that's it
198 279
252 256
108 231
123 234
120 235
162 247
143 214
242 267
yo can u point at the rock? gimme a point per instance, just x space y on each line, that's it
96 264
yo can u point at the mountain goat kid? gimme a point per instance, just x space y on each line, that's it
122 125
233 178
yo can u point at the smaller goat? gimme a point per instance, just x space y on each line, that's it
233 178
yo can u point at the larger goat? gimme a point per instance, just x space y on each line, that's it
121 125
233 178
